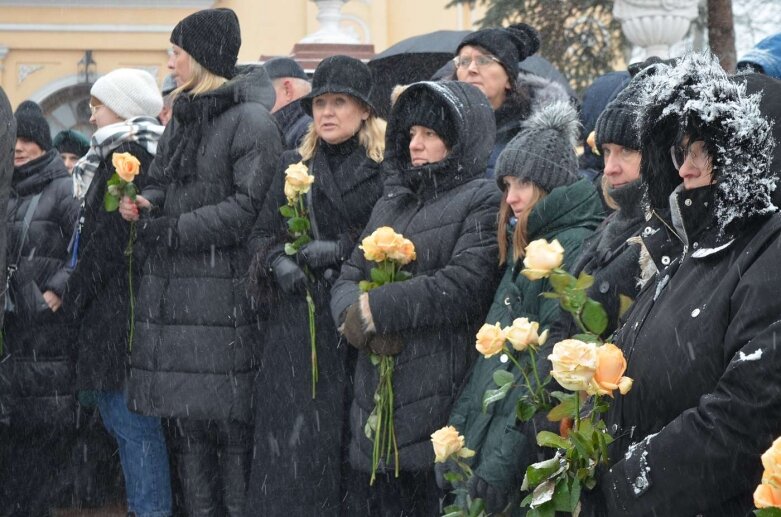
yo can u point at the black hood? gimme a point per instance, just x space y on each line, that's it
697 96
475 129
250 84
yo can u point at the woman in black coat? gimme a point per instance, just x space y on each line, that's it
36 369
299 440
440 203
701 338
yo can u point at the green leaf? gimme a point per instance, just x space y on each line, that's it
561 495
502 377
768 512
114 180
379 276
584 281
290 248
574 493
527 500
525 410
453 511
301 240
403 275
566 408
549 439
298 225
544 510
599 436
491 396
131 190
582 444
287 211
110 203
476 508
594 316
561 280
587 338
365 286
453 477
541 471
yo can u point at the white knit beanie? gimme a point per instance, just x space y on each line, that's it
129 93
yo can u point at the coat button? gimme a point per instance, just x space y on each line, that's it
647 231
696 245
688 202
604 287
507 301
666 260
695 313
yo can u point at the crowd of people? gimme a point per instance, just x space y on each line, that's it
161 329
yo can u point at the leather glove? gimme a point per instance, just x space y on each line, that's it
495 499
321 254
290 278
159 231
386 344
440 469
354 328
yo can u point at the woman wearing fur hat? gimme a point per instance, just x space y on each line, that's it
299 439
194 353
488 59
36 370
701 338
542 199
438 141
124 104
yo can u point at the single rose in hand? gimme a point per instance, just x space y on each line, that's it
297 181
490 340
574 364
447 442
126 165
541 258
609 376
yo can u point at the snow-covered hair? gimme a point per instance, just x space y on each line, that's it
697 98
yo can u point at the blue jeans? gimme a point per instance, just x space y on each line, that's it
143 454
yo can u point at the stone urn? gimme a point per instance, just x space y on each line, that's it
329 15
654 25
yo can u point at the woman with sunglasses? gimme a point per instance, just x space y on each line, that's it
701 338
488 59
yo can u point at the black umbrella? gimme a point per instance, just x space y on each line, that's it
411 60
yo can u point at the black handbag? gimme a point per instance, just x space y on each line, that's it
10 296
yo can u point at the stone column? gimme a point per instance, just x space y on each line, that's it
654 25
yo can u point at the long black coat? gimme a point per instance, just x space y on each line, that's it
449 213
37 378
98 288
299 441
7 142
196 342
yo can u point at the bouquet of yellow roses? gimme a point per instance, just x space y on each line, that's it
391 251
298 182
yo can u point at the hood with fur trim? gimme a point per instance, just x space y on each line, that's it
696 96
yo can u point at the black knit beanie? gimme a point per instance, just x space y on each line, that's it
212 37
32 125
510 45
70 141
544 150
428 110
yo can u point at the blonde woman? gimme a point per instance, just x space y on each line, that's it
194 350
298 439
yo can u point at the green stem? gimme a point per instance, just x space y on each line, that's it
539 393
312 341
129 254
512 358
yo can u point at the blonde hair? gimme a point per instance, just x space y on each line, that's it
201 81
371 136
520 235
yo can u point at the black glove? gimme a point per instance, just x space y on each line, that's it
159 231
354 329
495 499
290 278
386 344
321 254
440 469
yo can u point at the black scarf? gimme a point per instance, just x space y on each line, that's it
192 114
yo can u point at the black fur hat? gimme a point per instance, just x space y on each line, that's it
510 45
212 37
32 125
340 74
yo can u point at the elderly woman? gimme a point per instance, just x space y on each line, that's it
194 355
298 432
701 338
488 59
439 138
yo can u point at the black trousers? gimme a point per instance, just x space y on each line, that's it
412 494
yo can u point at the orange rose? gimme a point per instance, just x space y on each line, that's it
126 165
404 253
767 496
490 340
771 460
609 375
384 243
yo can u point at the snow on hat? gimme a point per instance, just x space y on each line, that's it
544 150
70 141
129 93
32 125
212 37
340 74
284 67
510 45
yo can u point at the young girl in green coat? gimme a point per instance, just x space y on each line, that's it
543 199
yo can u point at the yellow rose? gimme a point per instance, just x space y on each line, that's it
448 442
297 180
490 340
404 253
541 258
574 364
381 243
767 496
522 334
609 376
771 460
126 165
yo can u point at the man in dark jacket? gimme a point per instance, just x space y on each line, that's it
290 85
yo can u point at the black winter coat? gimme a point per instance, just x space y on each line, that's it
294 123
196 342
98 289
449 213
299 441
7 142
36 378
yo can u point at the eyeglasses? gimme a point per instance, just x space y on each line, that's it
480 60
694 151
94 109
